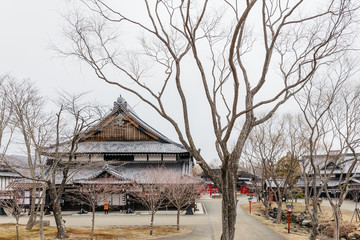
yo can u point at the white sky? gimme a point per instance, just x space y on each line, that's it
26 30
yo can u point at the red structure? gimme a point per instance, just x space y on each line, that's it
250 198
245 190
289 211
211 189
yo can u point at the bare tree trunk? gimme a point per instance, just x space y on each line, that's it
32 217
228 204
92 222
315 223
178 220
41 226
337 220
266 205
60 225
17 229
152 222
279 211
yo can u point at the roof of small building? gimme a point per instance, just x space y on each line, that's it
6 172
274 183
24 184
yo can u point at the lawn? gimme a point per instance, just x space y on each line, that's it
7 232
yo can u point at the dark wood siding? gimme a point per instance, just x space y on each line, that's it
123 131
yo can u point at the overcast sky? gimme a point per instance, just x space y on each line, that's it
27 30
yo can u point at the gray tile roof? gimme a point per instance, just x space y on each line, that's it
6 171
8 174
124 172
123 147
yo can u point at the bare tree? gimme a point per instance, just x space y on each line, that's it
73 119
268 144
319 140
5 114
152 193
93 196
30 120
345 119
181 191
12 206
294 43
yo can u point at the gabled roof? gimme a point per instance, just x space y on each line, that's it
123 112
340 161
105 169
122 132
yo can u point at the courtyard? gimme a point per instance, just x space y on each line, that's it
203 225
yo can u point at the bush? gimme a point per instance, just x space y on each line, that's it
345 230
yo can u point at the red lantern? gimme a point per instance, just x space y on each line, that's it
289 211
250 198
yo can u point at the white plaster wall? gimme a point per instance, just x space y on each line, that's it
169 157
140 157
96 158
83 158
154 157
4 181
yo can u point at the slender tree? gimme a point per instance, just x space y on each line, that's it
29 119
292 42
6 130
319 140
152 195
12 206
72 120
93 195
181 191
345 119
268 144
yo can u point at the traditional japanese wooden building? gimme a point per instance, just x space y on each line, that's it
123 137
335 166
120 147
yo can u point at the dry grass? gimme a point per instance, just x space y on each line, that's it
325 217
7 232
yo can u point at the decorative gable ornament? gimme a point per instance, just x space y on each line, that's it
120 102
